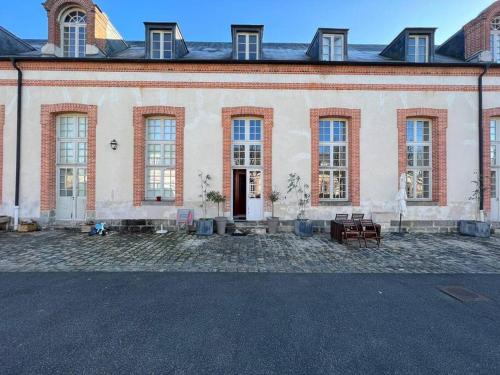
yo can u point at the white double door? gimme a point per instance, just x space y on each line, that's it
71 196
71 168
255 199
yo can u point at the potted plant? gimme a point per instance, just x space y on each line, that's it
204 225
273 222
220 221
475 228
303 226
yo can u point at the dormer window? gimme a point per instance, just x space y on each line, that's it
418 48
333 47
161 44
247 42
74 30
495 39
248 46
164 41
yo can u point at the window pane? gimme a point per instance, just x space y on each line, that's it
339 131
154 154
324 185
82 152
339 156
255 130
255 184
324 131
169 183
242 39
154 130
339 184
493 154
239 155
169 155
493 131
493 184
409 131
66 182
169 130
239 130
410 184
324 156
153 183
156 37
255 155
82 182
82 127
252 39
66 152
410 156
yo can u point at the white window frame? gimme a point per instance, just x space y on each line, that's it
76 140
162 166
495 45
162 50
332 168
417 38
247 45
247 143
332 56
415 168
77 26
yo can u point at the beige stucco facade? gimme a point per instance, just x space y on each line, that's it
291 134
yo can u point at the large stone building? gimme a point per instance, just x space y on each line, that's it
107 126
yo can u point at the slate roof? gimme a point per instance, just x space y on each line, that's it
223 51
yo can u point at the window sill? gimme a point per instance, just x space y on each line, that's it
156 203
334 203
421 203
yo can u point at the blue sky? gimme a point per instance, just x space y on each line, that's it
369 21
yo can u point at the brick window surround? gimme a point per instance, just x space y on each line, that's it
267 114
439 120
487 115
353 117
49 114
2 123
54 9
140 116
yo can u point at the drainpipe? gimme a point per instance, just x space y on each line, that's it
18 142
481 142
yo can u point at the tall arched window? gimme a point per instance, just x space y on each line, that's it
74 27
495 38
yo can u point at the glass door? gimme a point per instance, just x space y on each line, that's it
255 201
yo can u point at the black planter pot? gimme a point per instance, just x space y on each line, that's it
474 228
205 227
303 228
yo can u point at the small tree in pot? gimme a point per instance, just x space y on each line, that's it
303 226
204 225
273 222
220 221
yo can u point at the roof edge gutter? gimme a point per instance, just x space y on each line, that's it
18 139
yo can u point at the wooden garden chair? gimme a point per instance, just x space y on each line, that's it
357 216
341 217
369 231
351 230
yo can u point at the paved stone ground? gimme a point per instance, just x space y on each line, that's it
413 253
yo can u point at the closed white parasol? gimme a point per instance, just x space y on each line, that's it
401 198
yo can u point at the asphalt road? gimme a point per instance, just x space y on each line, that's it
190 323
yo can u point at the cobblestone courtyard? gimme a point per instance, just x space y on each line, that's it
414 253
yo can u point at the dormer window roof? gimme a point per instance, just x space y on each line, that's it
247 42
329 45
164 41
414 45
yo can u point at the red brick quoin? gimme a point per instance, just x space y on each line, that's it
2 123
353 117
48 156
140 116
267 114
488 114
439 118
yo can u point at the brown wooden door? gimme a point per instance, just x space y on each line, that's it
239 193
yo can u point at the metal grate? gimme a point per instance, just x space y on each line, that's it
462 294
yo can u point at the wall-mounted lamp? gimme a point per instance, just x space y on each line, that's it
113 144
